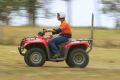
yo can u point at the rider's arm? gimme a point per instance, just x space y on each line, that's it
50 30
56 31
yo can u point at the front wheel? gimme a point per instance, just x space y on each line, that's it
77 58
35 57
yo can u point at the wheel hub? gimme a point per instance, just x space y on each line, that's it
78 59
36 57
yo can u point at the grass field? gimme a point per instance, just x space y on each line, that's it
104 58
104 65
102 37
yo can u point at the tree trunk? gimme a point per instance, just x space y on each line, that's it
7 21
117 23
32 19
32 12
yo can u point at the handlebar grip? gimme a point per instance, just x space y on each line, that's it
44 30
53 33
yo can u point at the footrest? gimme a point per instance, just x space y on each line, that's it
57 59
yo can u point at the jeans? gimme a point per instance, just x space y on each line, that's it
54 42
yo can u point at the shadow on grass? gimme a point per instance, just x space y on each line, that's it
56 67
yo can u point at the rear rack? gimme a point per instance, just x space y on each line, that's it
90 41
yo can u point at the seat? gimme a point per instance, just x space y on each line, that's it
62 44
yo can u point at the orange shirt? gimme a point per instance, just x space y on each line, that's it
65 27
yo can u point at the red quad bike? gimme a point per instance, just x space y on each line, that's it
74 52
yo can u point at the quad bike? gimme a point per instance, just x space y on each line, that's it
36 50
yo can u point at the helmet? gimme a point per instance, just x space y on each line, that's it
61 15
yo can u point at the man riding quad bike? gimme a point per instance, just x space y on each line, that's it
64 34
37 50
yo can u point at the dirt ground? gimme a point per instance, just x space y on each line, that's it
104 65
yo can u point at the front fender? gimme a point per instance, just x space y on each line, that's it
35 41
30 43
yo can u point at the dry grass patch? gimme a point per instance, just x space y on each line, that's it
104 65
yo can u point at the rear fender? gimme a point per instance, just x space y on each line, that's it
71 47
78 43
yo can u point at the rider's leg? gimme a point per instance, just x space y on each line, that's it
54 41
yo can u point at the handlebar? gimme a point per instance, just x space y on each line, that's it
43 32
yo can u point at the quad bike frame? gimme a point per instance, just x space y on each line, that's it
82 45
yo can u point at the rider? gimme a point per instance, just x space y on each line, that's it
64 32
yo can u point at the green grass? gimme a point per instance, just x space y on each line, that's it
104 65
104 59
102 37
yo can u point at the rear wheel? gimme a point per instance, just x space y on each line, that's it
77 58
35 57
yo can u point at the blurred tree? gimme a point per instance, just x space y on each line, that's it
23 8
5 10
31 9
112 7
46 9
29 6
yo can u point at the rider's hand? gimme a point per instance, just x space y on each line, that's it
45 30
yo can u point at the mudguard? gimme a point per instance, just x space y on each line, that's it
84 43
29 41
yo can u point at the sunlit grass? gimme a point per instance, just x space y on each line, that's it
102 37
103 63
